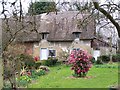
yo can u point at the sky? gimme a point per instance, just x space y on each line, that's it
25 3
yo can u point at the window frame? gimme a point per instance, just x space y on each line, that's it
76 49
44 36
76 34
54 51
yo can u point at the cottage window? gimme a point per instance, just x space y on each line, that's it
44 35
52 53
76 49
76 34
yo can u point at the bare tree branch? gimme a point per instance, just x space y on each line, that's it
96 5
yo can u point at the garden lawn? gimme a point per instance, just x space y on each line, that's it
102 76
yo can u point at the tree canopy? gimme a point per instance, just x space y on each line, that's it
41 7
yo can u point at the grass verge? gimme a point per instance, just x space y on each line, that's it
60 77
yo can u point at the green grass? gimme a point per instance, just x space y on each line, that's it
59 77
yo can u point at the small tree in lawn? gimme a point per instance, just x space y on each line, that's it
80 61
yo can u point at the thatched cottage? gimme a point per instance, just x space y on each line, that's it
50 34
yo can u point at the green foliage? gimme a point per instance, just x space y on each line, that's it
27 60
105 58
50 62
41 7
6 85
116 58
93 60
75 75
99 61
34 76
24 80
114 65
40 72
37 64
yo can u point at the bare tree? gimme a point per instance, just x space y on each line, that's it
13 24
102 12
109 16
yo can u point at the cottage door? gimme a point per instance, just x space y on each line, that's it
43 54
96 53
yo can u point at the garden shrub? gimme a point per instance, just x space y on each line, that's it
27 60
99 61
80 61
50 62
37 64
33 74
40 72
105 58
6 84
24 80
116 58
93 60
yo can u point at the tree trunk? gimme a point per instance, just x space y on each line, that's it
119 45
110 50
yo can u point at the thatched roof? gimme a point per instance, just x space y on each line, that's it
60 26
98 42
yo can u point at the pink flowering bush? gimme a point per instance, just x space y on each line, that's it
80 61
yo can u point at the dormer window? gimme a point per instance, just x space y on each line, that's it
44 35
76 34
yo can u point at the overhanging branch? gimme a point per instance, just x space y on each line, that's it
96 5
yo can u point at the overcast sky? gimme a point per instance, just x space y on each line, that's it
25 3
